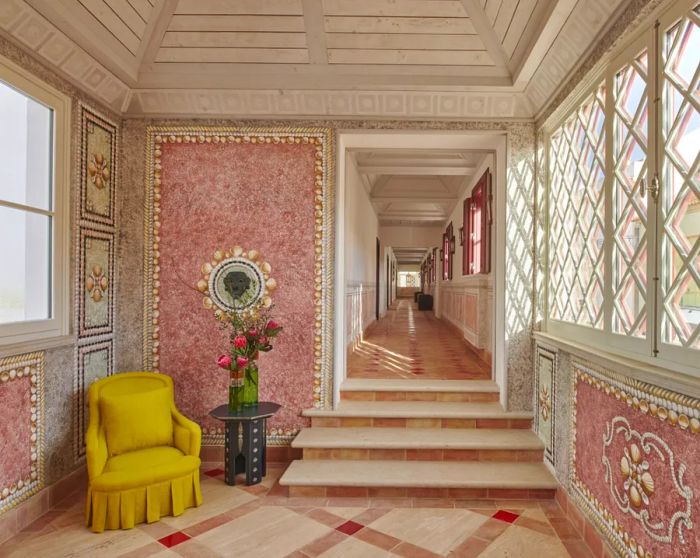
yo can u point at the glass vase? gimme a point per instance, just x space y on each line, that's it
235 391
250 385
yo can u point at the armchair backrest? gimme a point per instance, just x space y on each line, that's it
122 384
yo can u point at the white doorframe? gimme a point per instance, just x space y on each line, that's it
495 141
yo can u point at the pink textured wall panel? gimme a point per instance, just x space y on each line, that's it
636 464
15 430
215 196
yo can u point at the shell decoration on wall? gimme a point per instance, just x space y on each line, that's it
236 281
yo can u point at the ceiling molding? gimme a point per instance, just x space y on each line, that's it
23 25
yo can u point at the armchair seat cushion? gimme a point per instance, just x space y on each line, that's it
144 467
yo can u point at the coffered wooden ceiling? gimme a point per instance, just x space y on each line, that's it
415 187
402 58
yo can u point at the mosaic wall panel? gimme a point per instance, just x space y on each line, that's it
545 399
634 456
98 168
94 361
21 428
95 292
214 188
96 266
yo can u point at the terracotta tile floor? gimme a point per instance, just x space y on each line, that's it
408 343
257 522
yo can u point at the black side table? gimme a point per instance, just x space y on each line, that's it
250 458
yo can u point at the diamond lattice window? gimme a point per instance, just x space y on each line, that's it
680 192
577 214
629 252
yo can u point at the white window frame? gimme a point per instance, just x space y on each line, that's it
34 334
669 357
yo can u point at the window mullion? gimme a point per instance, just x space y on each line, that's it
608 186
653 169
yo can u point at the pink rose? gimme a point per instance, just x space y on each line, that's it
241 362
240 342
272 324
252 332
224 361
263 340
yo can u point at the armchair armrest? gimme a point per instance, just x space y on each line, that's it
95 450
186 433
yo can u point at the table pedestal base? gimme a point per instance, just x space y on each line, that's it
251 457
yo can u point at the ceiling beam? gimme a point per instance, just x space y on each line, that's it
545 32
152 38
420 170
315 31
486 32
414 197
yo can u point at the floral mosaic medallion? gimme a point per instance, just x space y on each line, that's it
94 362
21 428
545 378
96 289
97 167
634 452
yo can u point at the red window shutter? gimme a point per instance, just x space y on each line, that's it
467 247
486 222
477 223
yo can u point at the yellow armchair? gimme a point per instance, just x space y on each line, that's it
142 453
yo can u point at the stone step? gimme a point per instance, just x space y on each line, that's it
418 479
359 389
418 414
425 444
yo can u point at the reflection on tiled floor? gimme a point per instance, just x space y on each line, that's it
260 522
408 343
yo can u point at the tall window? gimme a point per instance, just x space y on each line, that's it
624 200
32 216
476 251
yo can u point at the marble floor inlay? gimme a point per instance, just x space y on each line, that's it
408 343
261 522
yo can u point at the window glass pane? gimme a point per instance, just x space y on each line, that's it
577 214
680 185
25 149
409 279
629 270
25 273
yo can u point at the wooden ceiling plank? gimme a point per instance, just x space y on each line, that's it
417 171
111 22
236 23
315 32
401 8
435 25
505 17
233 39
404 41
549 24
488 35
491 10
238 55
142 7
78 23
154 33
416 57
521 18
239 7
128 15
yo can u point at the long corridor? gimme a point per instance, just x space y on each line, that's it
412 344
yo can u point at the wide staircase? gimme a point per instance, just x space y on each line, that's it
419 439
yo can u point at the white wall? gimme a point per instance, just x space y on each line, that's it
467 301
361 232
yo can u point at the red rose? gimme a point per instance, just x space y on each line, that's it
252 332
240 342
241 362
272 324
224 361
263 340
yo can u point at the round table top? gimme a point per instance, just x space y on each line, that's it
263 409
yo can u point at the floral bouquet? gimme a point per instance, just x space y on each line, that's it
251 332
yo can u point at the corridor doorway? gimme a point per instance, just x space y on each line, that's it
395 196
